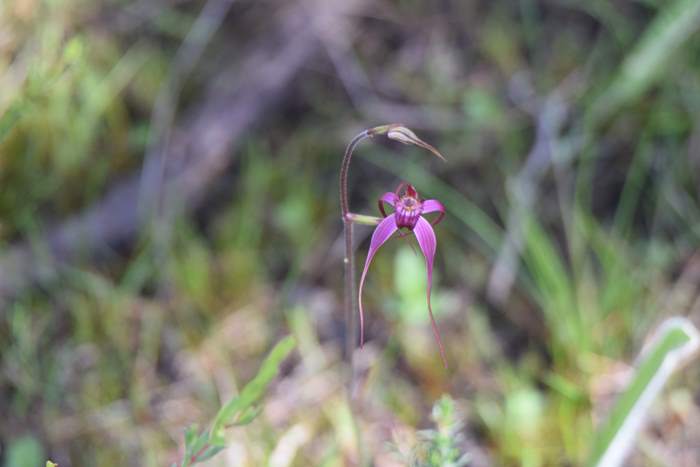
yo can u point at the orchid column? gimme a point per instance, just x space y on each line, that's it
408 215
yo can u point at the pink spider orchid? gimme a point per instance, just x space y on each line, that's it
408 214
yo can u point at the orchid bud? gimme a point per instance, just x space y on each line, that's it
404 135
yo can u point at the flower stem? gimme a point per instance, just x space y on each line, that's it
344 168
349 260
350 293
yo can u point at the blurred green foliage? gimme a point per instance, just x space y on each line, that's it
107 362
24 452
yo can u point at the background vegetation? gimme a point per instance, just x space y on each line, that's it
169 211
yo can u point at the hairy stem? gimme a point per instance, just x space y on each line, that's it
349 260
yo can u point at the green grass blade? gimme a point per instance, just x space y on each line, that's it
646 62
251 393
673 343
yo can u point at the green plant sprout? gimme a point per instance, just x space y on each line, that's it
439 446
442 442
240 410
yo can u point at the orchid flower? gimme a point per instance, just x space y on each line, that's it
408 214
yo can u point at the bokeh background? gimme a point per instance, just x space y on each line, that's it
169 211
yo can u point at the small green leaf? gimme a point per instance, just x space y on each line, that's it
248 415
209 452
190 435
194 442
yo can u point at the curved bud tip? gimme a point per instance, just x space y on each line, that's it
403 135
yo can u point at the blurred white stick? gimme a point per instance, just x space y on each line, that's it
524 191
613 451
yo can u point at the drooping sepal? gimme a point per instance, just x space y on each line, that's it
382 233
428 243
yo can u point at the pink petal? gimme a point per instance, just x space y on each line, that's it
388 198
433 205
427 242
381 234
